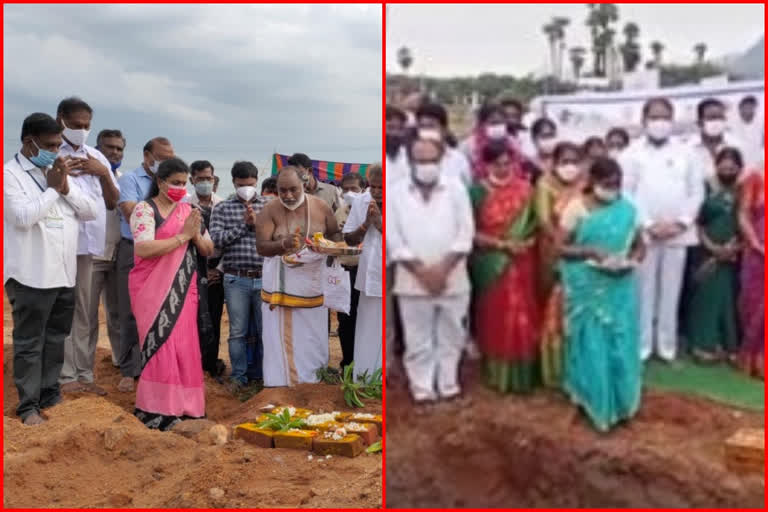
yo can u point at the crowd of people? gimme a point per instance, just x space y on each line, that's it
78 232
569 265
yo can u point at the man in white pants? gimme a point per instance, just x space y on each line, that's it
430 230
661 176
364 225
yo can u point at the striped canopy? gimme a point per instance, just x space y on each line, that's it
324 171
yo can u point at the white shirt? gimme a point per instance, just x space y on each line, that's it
665 184
112 237
369 266
40 227
703 158
752 136
92 238
428 231
397 169
456 165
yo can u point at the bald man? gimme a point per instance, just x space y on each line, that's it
295 322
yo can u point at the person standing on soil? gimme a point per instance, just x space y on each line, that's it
233 230
295 320
94 176
134 187
352 188
711 312
202 177
104 281
602 370
661 178
42 213
168 235
431 279
365 226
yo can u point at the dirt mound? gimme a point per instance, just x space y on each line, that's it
504 451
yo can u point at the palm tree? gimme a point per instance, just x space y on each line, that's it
577 60
599 20
700 50
552 32
560 22
657 48
404 58
630 50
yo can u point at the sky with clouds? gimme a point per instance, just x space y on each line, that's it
223 82
450 40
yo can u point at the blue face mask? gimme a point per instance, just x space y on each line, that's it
115 166
44 158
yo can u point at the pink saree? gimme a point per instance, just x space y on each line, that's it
164 298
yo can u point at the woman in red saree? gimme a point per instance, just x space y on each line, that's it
164 296
503 274
752 299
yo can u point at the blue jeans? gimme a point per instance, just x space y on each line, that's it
243 296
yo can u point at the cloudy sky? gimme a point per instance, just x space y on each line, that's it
459 40
223 82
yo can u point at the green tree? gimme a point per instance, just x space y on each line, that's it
657 48
577 55
405 58
600 21
630 50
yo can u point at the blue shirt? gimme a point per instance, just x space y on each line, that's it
134 187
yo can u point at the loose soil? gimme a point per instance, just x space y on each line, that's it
507 451
94 453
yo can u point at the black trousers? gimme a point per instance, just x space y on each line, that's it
216 309
347 323
42 319
128 356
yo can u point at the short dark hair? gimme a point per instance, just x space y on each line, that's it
730 153
413 142
301 160
352 176
660 100
435 111
269 184
494 150
71 105
395 113
705 104
200 165
487 110
604 168
38 124
375 170
512 102
748 100
592 141
244 169
164 171
540 124
620 132
562 147
150 145
108 134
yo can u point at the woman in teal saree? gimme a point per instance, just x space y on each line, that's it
599 244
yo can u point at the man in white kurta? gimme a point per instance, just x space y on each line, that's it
661 177
430 230
748 126
364 222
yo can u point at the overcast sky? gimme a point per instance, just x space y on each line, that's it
461 40
223 82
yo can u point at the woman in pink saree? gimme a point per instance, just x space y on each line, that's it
164 296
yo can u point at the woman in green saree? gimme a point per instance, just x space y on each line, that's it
600 243
711 324
503 274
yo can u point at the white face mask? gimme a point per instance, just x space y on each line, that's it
294 205
496 131
246 193
659 129
568 172
614 153
547 145
76 137
606 195
427 174
714 128
349 197
156 165
430 134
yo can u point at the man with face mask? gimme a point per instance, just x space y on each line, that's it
325 191
431 281
365 226
134 188
94 176
749 127
104 279
295 319
661 177
712 138
41 222
233 231
432 123
397 162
